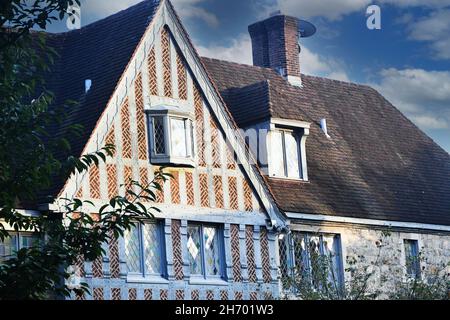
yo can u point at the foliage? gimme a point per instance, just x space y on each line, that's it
319 281
432 283
40 272
33 157
22 16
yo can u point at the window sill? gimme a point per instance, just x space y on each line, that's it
151 279
176 161
213 282
288 178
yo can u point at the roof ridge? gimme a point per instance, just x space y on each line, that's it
303 74
336 80
239 63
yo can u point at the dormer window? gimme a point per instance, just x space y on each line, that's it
171 139
287 152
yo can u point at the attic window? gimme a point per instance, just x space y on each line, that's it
171 139
285 154
287 149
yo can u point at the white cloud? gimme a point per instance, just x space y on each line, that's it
424 96
418 3
336 9
339 75
190 9
185 8
435 29
104 8
314 64
239 50
331 9
430 122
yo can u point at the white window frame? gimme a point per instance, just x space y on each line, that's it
295 134
301 132
18 244
220 240
143 274
168 157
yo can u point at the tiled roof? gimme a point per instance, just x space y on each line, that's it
377 164
99 52
250 103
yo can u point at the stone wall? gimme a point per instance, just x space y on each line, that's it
382 251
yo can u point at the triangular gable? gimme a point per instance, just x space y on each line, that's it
221 121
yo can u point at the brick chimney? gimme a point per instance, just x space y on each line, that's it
275 45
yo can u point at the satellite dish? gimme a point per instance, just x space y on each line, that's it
306 29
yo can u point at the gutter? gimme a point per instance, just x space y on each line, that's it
368 222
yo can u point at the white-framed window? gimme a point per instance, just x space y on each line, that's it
145 250
16 241
412 258
205 250
285 154
309 255
172 139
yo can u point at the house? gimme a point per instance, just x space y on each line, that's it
267 163
142 87
346 168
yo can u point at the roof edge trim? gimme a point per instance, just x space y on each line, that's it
368 222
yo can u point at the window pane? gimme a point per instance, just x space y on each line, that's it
291 155
315 254
331 251
194 249
178 137
212 251
277 160
28 240
152 248
314 245
159 135
284 259
315 260
412 258
132 250
300 253
8 247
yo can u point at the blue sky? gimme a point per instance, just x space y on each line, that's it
408 60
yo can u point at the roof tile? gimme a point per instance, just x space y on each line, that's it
377 164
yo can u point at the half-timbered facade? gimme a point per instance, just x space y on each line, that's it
211 239
332 165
